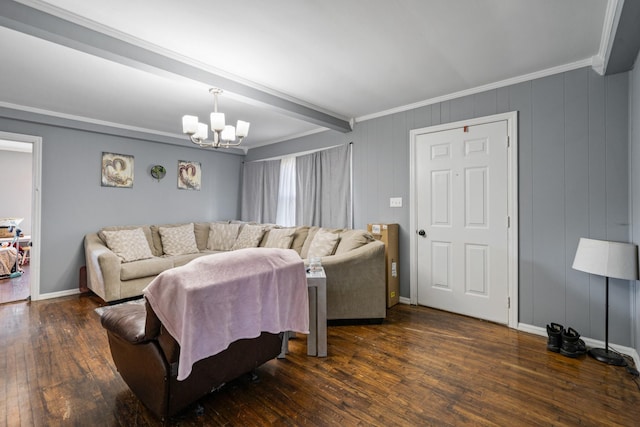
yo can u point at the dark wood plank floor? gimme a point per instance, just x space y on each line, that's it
421 367
15 289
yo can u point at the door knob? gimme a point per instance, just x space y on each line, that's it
422 233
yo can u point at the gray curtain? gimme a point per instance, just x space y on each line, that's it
323 191
260 182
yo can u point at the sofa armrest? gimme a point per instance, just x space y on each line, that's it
103 268
358 275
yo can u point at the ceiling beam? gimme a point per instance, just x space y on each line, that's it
626 42
37 23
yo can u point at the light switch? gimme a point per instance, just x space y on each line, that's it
395 202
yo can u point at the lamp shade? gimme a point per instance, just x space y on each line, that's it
189 124
217 121
242 129
610 259
229 133
202 132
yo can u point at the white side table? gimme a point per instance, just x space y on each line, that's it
317 338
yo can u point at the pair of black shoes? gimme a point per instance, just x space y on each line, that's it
565 341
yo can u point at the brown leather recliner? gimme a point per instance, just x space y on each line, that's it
147 358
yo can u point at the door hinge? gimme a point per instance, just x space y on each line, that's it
508 221
508 302
508 142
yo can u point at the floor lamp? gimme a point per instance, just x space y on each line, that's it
608 259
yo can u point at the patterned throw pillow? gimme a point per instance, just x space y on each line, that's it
129 245
323 244
353 239
249 237
280 238
178 240
222 236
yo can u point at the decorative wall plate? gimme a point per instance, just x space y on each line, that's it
158 172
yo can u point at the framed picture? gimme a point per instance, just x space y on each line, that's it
117 170
189 175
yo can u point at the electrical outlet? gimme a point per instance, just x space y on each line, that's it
395 202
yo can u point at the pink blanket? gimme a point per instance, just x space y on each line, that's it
217 299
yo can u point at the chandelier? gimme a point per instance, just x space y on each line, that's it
223 135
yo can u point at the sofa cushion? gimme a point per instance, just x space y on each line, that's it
145 229
157 240
222 236
201 231
145 268
280 238
323 244
352 239
249 237
180 260
178 240
299 237
129 245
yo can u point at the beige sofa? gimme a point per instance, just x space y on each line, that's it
355 269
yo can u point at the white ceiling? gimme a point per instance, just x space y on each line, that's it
352 59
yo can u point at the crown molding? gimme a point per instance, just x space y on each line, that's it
496 85
87 120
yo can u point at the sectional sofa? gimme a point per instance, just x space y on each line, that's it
121 261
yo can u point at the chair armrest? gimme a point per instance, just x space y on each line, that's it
128 321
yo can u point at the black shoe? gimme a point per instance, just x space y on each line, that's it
572 345
554 331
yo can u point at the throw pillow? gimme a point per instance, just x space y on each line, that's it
178 240
323 244
249 237
222 236
129 245
353 239
299 237
280 238
311 232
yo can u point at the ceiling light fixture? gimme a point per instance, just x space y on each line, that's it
223 135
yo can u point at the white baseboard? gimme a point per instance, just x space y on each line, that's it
590 342
404 300
59 294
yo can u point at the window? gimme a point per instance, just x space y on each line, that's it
286 210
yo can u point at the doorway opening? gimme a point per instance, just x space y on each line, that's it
20 159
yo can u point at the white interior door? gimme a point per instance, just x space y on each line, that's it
461 190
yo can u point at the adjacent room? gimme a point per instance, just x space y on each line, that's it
338 213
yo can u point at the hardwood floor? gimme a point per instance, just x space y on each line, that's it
15 289
420 367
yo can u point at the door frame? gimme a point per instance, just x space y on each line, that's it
512 204
36 207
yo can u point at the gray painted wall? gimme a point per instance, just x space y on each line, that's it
15 168
573 182
74 202
634 161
